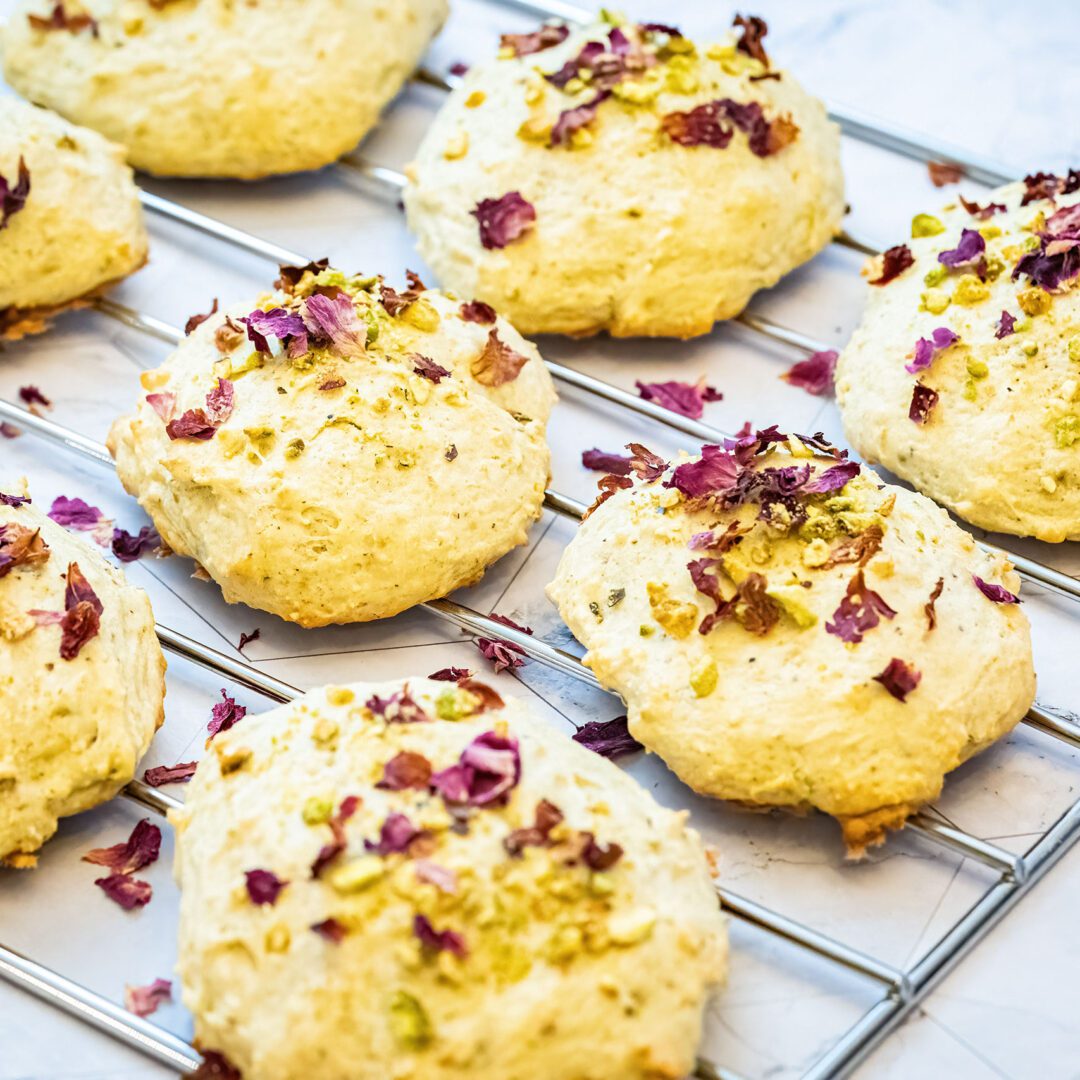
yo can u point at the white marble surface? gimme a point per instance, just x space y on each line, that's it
988 75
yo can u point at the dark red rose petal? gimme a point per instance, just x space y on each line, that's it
224 715
263 886
899 678
140 849
815 373
170 774
477 311
504 220
998 593
608 738
894 261
127 891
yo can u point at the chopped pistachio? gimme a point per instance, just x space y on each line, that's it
317 810
935 301
457 146
816 553
976 368
1066 431
340 695
455 703
475 99
971 390
1074 349
409 1023
633 926
565 944
1049 484
616 596
1033 301
682 76
324 730
594 607
704 677
990 232
675 616
421 314
994 267
792 599
1030 348
646 89
935 275
925 225
277 938
357 874
537 128
970 290
294 449
646 631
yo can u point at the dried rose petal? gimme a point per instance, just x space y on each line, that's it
503 654
894 261
982 212
144 1000
334 322
1039 186
192 424
405 770
75 514
164 404
545 817
487 697
170 774
1006 326
686 399
815 373
20 546
859 611
753 30
13 199
428 369
942 173
606 462
498 364
196 321
573 120
127 547
899 678
930 607
503 220
923 400
228 336
544 38
927 348
329 852
127 891
450 674
608 738
291 276
398 708
332 384
488 770
287 326
246 639
140 849
396 835
330 929
856 549
476 311
998 593
716 471
219 402
438 940
832 479
263 886
971 247
14 500
80 624
31 396
224 715
59 19
443 879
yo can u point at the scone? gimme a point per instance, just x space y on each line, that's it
788 631
619 178
344 450
70 220
418 880
962 377
82 678
218 88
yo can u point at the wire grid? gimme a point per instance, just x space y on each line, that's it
901 989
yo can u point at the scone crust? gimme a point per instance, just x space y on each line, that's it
999 446
281 87
74 730
634 235
81 227
354 502
559 982
794 718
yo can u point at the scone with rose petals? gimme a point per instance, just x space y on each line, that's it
341 451
963 377
70 220
421 880
217 88
620 178
82 678
785 629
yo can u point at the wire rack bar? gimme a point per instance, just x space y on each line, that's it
858 125
97 1011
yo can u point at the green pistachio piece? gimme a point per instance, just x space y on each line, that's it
409 1023
925 225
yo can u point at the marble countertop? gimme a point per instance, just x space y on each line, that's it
976 74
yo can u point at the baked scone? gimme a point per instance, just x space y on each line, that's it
82 678
787 630
619 178
344 451
215 87
962 377
70 220
418 880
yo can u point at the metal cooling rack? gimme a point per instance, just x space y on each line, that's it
900 989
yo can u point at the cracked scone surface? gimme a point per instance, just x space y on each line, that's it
73 730
343 488
634 234
81 226
768 707
281 87
1000 446
560 971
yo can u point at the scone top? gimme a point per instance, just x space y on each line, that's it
783 627
430 877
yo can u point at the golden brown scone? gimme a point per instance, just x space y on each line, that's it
964 375
215 87
787 630
619 178
362 452
418 880
81 689
71 223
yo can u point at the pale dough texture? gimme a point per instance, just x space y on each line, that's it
81 227
1000 447
353 502
634 234
570 974
793 718
240 88
73 731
